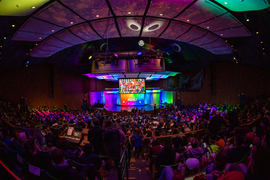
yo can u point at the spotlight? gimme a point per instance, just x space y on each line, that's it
141 43
90 57
116 55
139 53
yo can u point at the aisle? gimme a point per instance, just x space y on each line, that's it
136 171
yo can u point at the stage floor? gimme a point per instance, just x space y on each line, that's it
118 108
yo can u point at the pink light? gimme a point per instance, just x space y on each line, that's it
116 55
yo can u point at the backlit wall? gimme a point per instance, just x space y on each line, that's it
132 99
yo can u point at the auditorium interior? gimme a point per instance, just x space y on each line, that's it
135 89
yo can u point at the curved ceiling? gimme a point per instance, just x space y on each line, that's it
65 23
189 44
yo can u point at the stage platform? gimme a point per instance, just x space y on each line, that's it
118 108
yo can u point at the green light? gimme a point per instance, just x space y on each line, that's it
244 5
19 7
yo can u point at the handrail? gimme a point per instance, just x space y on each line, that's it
126 157
9 171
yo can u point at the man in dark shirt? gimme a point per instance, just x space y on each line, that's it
88 157
95 137
167 157
216 123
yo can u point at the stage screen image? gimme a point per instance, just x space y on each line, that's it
132 99
131 86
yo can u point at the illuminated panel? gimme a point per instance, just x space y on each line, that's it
221 22
67 36
205 39
26 36
201 11
234 32
111 98
167 96
130 26
85 31
89 9
128 8
132 99
55 42
38 26
192 34
168 8
96 97
19 7
175 30
59 15
152 97
105 24
153 27
217 43
251 5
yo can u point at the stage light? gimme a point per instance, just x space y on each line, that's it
133 25
141 43
153 26
116 55
139 53
90 57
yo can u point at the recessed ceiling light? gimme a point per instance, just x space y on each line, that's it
13 25
0 46
129 12
5 37
261 41
247 19
39 37
71 22
36 44
225 3
231 45
226 41
257 32
161 14
207 27
188 20
221 34
33 7
52 30
30 49
97 15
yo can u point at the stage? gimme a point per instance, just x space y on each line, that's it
118 108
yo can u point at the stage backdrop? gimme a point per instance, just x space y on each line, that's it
151 97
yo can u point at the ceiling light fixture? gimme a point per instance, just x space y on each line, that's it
33 7
129 12
247 20
225 3
97 15
188 20
13 25
52 30
207 27
161 14
5 37
71 22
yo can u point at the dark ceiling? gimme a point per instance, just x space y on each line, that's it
17 50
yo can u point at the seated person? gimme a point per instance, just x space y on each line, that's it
6 136
194 152
191 167
35 156
238 151
22 139
88 156
60 168
167 157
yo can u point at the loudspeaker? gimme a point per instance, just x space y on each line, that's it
242 100
22 102
85 104
179 103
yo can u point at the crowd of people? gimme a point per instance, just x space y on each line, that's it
223 150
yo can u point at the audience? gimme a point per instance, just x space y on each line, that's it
215 156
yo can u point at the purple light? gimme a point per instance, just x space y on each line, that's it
116 55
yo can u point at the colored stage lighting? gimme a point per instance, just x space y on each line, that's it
139 53
116 55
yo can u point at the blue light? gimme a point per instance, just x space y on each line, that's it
139 53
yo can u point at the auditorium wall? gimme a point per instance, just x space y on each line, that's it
230 81
44 85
